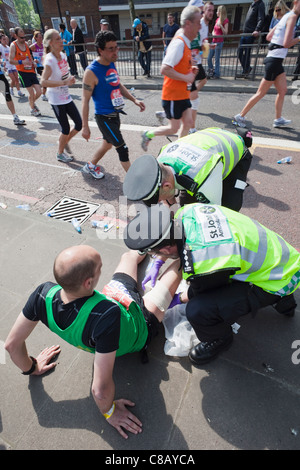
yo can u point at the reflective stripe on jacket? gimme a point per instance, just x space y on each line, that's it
196 155
218 238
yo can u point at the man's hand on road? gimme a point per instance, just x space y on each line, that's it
123 418
43 360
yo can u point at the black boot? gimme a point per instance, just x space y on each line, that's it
286 305
206 351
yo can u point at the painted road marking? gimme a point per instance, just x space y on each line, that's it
257 141
280 143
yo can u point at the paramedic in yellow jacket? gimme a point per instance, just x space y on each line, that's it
208 166
233 265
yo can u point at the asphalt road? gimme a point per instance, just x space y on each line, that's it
247 399
31 174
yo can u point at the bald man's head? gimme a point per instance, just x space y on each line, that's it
74 265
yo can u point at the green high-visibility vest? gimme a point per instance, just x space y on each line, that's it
196 155
218 238
133 327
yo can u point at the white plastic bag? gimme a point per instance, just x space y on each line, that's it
180 336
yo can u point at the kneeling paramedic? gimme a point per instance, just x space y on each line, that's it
210 165
233 265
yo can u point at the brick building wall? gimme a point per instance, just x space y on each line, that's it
8 15
86 11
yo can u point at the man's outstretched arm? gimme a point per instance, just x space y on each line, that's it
103 389
16 346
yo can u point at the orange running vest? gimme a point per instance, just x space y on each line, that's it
175 90
21 55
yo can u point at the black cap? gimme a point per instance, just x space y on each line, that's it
149 228
143 180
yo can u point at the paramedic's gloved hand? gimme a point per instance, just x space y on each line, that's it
153 273
176 300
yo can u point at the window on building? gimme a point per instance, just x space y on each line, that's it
230 14
56 22
81 23
147 19
10 3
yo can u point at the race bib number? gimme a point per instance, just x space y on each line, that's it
64 68
215 227
117 99
195 55
38 57
117 291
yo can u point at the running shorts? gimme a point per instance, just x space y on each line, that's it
201 75
273 68
175 109
109 125
27 79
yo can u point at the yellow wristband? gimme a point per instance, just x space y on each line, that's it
110 412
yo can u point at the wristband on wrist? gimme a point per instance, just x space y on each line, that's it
32 368
110 412
20 62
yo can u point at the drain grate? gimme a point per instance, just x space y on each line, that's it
68 207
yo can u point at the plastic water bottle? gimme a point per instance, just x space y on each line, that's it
132 90
24 207
51 213
97 224
285 160
76 224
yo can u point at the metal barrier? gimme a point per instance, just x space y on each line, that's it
128 64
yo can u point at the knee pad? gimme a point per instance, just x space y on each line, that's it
8 97
195 103
123 153
160 296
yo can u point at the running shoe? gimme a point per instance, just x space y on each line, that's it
18 121
210 73
193 130
37 109
35 112
145 141
281 122
93 170
239 121
62 157
161 115
44 98
21 94
11 91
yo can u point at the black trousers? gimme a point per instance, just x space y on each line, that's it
212 313
232 197
72 64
